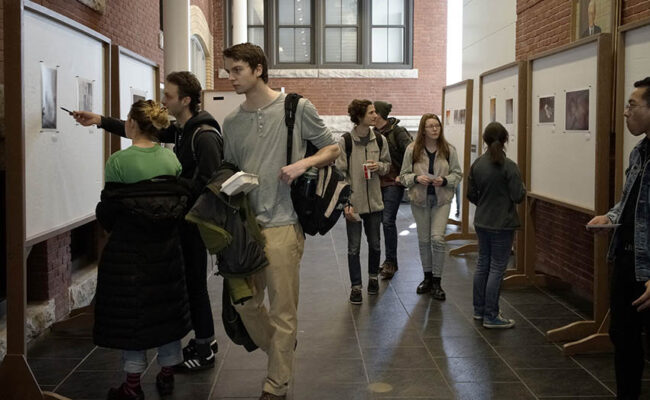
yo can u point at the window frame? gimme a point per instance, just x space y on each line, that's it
364 37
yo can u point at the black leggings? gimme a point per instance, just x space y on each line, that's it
196 264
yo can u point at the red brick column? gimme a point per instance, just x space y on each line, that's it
48 273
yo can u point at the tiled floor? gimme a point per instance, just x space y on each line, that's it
397 345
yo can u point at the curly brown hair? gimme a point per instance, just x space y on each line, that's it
357 110
188 86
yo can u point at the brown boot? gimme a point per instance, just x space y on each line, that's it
388 269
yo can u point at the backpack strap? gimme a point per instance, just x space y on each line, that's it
290 106
348 146
203 128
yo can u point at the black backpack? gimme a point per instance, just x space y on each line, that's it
318 200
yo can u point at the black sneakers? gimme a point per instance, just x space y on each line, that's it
373 286
193 361
437 292
425 286
356 296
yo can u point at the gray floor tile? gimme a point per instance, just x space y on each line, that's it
389 337
385 358
476 369
324 370
451 346
562 382
51 371
426 383
491 391
103 360
331 391
547 356
57 347
90 385
240 383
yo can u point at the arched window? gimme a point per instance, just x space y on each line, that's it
197 60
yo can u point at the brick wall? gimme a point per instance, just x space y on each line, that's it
564 248
48 266
131 24
408 96
635 10
207 7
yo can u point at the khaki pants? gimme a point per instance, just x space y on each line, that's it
274 331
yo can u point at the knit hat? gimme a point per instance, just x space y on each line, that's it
383 108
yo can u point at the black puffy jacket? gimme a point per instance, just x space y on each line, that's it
141 299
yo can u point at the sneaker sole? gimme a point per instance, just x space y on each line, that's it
373 293
477 317
356 303
489 326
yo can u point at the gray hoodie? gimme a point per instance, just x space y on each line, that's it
366 193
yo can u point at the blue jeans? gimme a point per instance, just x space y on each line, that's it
392 196
494 246
135 361
371 222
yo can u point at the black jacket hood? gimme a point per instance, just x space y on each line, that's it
202 118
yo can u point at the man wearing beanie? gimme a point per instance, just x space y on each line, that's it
392 191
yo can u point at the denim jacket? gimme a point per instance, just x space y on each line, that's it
642 215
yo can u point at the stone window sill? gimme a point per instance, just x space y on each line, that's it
315 73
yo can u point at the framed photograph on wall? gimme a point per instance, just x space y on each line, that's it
591 17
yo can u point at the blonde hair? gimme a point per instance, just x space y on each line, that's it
150 116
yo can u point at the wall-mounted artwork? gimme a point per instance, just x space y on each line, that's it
85 95
456 117
447 116
48 97
577 110
509 111
137 94
591 17
461 116
547 110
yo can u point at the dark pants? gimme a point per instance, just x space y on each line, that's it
627 325
196 264
392 197
371 224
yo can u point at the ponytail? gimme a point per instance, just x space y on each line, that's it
495 137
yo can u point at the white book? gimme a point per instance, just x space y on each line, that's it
240 182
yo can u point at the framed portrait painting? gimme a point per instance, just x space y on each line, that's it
591 17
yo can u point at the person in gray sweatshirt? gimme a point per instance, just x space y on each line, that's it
363 160
495 186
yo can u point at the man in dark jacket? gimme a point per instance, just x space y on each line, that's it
199 148
629 249
392 190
